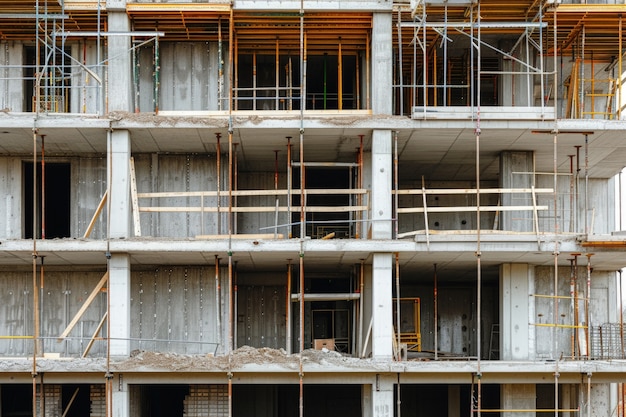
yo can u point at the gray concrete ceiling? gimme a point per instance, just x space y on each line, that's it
438 149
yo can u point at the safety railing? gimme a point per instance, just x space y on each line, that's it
492 207
270 202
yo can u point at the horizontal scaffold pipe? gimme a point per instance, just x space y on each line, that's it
327 297
469 25
473 191
250 193
293 209
469 209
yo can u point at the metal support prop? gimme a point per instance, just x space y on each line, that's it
217 300
398 331
288 329
157 71
43 189
435 284
218 175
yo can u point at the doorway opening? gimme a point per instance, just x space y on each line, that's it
55 221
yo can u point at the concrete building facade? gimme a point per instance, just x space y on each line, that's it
316 207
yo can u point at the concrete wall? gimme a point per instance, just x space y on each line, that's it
62 296
445 221
168 173
575 197
175 309
11 190
456 316
12 76
87 93
260 222
188 78
87 186
600 307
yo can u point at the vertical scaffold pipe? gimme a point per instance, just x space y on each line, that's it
301 370
398 338
359 225
218 321
220 66
43 188
288 329
400 73
218 175
478 228
361 302
157 72
35 289
588 306
436 312
289 220
395 184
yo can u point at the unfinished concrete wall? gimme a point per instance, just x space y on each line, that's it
262 222
454 220
191 172
599 310
89 185
11 204
62 295
12 76
87 92
188 76
456 310
583 205
179 309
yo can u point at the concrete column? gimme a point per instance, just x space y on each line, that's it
366 401
510 163
519 397
382 311
119 76
516 311
381 180
382 63
119 175
119 309
382 396
11 206
121 399
11 89
454 401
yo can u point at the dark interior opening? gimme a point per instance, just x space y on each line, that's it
319 224
256 82
76 397
164 400
323 82
435 400
56 222
16 400
282 400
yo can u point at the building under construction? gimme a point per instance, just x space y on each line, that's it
282 208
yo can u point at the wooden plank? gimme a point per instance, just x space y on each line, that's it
469 209
250 193
95 215
473 191
84 307
95 334
244 236
133 197
308 209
